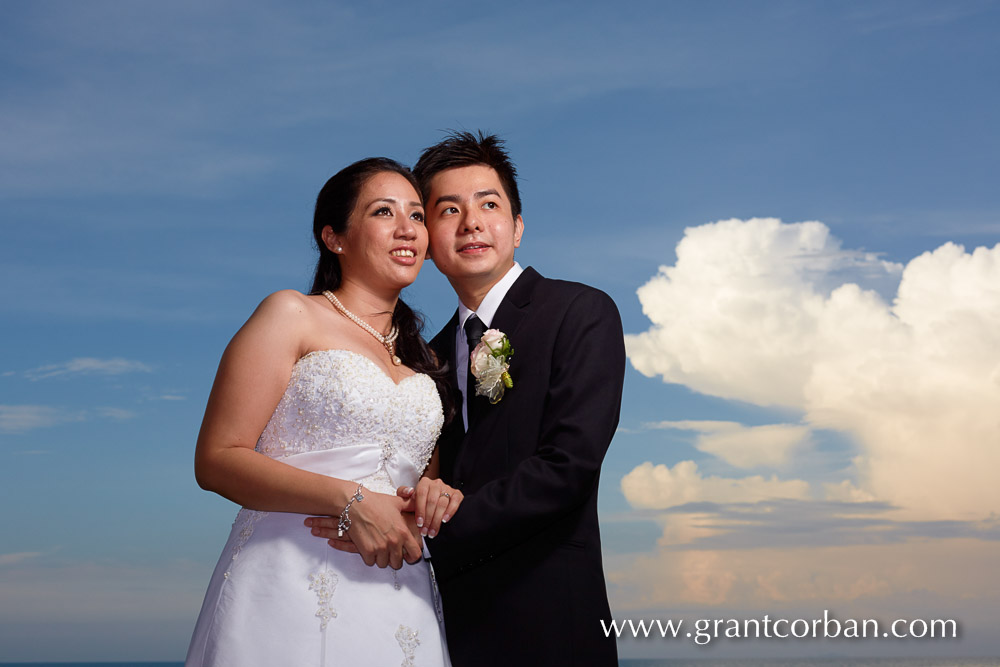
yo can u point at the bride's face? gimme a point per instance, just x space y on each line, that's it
386 240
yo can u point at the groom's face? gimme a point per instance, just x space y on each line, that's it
473 232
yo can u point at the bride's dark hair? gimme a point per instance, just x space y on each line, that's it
334 205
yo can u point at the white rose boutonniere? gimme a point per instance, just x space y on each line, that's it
491 363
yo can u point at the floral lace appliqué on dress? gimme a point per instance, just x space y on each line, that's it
324 583
408 642
245 520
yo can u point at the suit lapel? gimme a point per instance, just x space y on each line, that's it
444 347
508 319
514 305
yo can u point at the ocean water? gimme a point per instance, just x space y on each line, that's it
817 662
657 662
92 664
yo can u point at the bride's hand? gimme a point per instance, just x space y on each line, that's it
434 503
380 531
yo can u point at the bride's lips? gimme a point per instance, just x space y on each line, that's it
405 255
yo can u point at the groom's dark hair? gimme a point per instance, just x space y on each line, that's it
462 149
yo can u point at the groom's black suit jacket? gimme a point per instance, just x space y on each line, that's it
519 565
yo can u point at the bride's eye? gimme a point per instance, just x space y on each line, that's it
383 210
418 216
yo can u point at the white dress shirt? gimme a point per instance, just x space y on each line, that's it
486 311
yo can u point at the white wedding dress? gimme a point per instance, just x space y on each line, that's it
280 596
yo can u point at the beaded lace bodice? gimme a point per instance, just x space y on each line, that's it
339 398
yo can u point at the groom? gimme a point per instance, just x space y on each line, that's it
519 565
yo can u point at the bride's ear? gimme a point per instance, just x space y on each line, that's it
331 240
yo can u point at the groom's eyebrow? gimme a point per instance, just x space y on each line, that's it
455 199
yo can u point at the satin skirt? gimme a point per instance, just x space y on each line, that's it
280 596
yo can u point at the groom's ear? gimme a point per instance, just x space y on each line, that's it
518 231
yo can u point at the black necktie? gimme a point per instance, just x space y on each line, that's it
474 329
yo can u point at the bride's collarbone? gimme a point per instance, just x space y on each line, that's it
339 333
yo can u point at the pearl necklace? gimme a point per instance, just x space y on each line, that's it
388 340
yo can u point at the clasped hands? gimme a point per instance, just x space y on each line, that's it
387 530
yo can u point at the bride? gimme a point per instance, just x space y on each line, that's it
324 404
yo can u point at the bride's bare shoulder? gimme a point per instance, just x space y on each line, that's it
286 301
284 321
289 303
286 310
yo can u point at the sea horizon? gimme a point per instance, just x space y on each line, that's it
659 662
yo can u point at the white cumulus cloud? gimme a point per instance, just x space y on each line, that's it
744 446
777 315
659 487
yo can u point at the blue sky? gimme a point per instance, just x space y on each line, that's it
809 445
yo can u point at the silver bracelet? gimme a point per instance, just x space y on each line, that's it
345 516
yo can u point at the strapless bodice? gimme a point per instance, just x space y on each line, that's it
341 400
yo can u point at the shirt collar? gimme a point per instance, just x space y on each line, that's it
491 302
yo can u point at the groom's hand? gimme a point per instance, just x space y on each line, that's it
433 502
